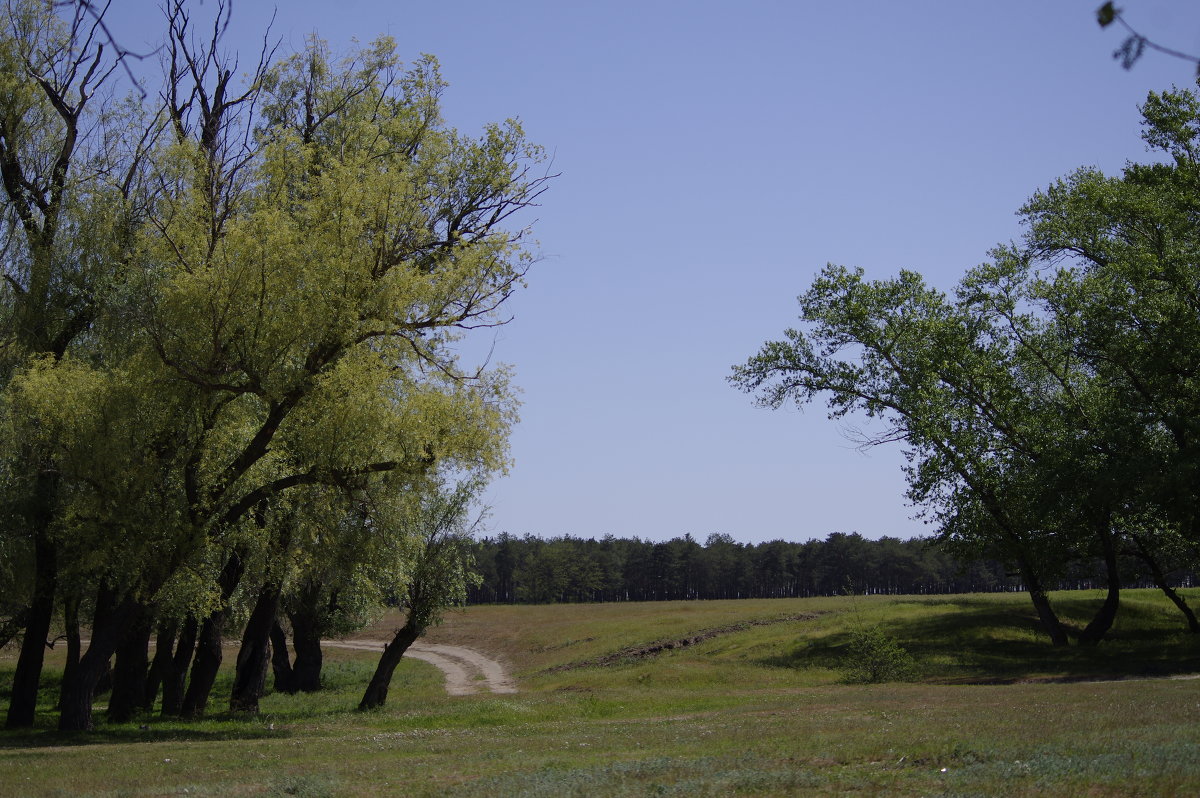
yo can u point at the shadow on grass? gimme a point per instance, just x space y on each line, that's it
968 641
271 722
251 729
342 685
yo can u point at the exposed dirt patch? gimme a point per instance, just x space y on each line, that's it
465 669
647 650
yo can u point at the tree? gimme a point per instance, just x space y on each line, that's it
439 578
974 389
71 170
1048 410
1125 251
283 331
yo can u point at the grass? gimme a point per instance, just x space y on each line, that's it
758 710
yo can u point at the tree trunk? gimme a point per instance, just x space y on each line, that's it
161 665
251 674
129 671
1178 601
208 646
108 629
13 626
1161 580
306 640
104 683
309 659
22 704
281 664
1104 618
74 642
377 690
204 666
176 672
1041 602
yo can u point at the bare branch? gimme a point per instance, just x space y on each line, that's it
97 13
1135 44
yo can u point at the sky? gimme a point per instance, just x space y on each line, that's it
713 157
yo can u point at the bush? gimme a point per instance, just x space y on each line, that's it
874 656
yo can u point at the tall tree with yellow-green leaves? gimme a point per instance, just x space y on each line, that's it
72 163
315 243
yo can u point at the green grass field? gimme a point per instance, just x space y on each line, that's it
757 707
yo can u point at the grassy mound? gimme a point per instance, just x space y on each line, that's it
755 704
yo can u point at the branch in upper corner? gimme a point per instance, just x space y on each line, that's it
1135 44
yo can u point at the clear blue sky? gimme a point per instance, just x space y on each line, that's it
714 156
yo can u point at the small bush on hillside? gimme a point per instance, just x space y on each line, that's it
874 656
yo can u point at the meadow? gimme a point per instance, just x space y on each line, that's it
690 698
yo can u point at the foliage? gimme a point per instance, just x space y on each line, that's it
1047 407
568 569
532 570
873 656
441 563
230 323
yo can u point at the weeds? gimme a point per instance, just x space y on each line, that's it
302 786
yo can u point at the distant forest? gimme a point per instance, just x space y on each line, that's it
532 570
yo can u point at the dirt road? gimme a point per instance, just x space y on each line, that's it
465 668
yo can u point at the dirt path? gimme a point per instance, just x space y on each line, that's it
465 668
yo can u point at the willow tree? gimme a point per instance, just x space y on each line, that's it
313 249
71 167
441 572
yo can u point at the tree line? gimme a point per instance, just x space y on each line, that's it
1049 406
532 570
230 398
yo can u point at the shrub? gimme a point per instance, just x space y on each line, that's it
874 656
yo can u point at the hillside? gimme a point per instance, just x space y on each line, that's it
700 698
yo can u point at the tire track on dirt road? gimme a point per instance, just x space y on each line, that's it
465 669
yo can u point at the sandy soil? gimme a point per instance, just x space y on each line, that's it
465 669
